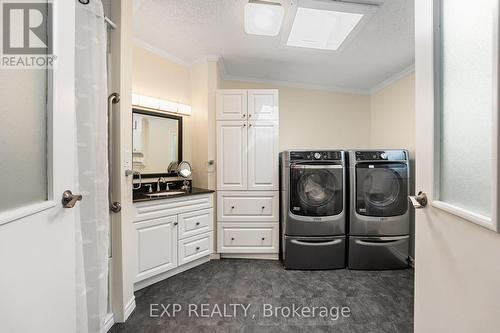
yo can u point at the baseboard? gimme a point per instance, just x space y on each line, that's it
264 256
215 256
129 308
165 275
108 323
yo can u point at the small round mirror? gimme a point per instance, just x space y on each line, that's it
184 169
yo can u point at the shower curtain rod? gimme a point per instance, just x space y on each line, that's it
106 19
110 23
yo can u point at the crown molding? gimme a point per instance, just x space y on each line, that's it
392 79
291 84
162 53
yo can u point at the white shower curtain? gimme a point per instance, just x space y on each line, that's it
91 118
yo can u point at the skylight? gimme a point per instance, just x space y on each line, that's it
322 29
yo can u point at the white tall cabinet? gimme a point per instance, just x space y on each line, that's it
247 173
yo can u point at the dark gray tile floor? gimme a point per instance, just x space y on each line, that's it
378 301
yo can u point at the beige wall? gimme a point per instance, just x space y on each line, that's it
155 76
318 119
199 95
393 115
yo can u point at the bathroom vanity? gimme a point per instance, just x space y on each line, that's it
173 222
174 234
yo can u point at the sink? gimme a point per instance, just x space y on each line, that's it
164 194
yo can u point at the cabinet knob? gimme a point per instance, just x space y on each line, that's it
232 238
232 207
197 223
249 125
176 223
249 116
197 248
244 125
244 115
263 207
263 238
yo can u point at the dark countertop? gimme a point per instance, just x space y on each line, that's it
142 197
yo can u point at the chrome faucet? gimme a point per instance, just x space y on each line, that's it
162 180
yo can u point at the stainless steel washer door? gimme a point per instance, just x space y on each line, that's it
381 189
316 189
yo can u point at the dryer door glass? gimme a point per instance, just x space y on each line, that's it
316 190
381 189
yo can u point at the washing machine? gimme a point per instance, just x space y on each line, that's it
313 209
379 219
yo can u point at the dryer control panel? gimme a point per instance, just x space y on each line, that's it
315 156
390 155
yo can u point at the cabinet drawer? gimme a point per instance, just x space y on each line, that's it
195 247
248 237
248 206
172 206
195 223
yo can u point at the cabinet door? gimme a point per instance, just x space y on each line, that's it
231 104
157 246
263 159
232 155
263 104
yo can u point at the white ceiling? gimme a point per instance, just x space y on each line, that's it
191 29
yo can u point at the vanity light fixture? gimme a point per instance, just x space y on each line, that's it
263 18
326 25
160 104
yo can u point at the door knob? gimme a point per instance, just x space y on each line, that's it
69 199
419 201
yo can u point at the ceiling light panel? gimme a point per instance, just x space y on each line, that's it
263 18
325 24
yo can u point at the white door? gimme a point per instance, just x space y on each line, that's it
263 155
457 270
37 143
231 104
232 155
263 104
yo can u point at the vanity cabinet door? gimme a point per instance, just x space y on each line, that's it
263 104
263 161
231 104
157 246
232 155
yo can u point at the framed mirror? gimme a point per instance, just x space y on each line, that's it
157 143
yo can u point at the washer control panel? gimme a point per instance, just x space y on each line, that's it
396 155
315 156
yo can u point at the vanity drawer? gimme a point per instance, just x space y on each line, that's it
248 206
248 237
195 223
195 247
172 206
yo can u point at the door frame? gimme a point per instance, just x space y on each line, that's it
493 222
